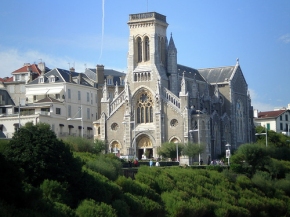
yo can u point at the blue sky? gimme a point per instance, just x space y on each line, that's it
208 33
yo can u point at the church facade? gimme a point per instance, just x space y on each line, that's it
164 101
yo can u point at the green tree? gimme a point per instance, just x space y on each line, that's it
99 146
250 157
193 149
169 149
40 155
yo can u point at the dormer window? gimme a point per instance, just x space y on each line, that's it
52 79
110 81
41 79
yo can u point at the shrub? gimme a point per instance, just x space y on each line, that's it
111 168
89 208
54 191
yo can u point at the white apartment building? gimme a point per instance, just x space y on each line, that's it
66 100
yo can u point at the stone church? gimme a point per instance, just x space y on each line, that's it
163 101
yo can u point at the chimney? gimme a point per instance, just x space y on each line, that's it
100 74
70 78
72 69
41 66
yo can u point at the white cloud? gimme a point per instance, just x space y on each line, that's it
13 59
285 38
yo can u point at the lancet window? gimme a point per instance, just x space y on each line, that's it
139 46
147 49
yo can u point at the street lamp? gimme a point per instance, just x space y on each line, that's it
81 118
228 153
259 134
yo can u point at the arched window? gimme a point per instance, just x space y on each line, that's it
240 120
147 49
139 46
145 108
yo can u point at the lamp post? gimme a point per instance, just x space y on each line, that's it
260 134
81 118
228 153
177 151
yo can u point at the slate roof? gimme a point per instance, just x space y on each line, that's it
62 75
189 72
217 75
271 114
91 73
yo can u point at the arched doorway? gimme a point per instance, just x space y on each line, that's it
145 147
115 148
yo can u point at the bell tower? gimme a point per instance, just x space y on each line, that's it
147 47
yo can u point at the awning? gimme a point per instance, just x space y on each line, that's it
89 128
70 126
80 127
61 125
1 127
55 91
37 92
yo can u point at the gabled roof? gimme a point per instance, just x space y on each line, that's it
271 114
217 75
28 68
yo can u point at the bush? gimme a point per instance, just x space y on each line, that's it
55 191
89 208
121 208
111 168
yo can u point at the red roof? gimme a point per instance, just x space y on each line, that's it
270 114
6 79
28 68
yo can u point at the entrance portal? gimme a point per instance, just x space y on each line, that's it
145 148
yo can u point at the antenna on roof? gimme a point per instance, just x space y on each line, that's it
40 60
85 66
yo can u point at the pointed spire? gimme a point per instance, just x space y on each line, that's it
216 91
158 87
116 90
183 85
171 45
